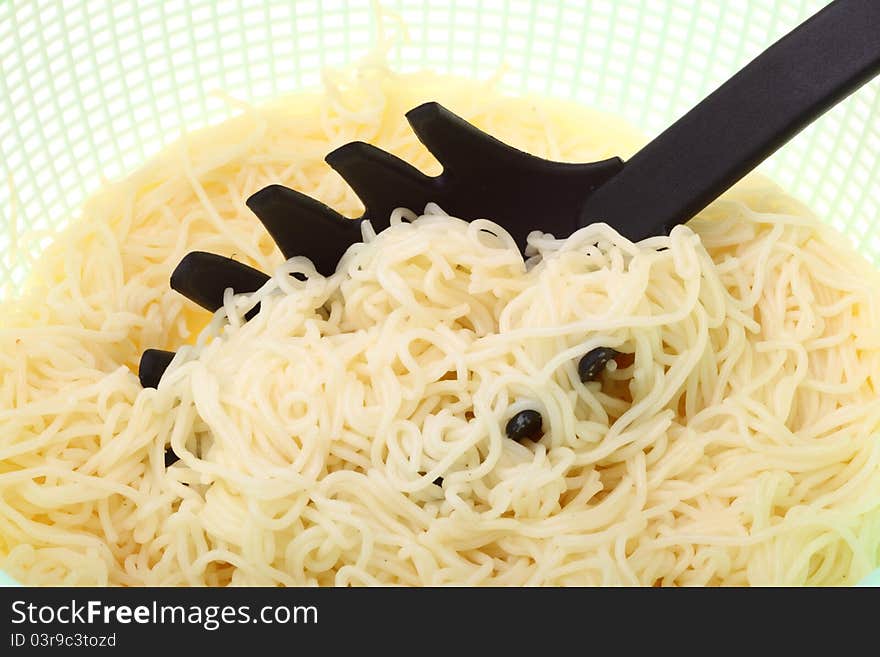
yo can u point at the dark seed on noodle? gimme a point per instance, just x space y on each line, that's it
525 425
170 457
593 363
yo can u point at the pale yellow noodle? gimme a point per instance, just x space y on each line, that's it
740 446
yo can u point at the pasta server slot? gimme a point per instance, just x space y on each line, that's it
669 181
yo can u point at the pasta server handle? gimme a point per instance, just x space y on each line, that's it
742 123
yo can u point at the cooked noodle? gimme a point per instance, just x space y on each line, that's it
740 446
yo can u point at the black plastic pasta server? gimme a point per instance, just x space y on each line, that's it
666 183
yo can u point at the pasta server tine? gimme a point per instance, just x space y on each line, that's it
666 183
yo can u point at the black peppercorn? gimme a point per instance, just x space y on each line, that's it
524 425
594 361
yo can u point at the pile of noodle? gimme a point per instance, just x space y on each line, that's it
352 433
